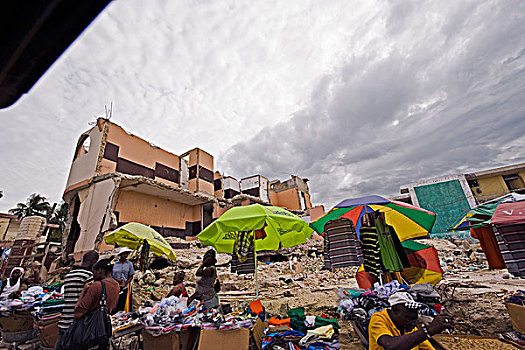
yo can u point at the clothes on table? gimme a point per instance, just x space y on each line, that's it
298 318
371 250
173 315
341 245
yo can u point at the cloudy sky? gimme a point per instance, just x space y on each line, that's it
358 96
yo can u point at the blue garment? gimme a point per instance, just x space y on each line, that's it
123 270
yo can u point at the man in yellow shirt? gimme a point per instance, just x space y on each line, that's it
395 328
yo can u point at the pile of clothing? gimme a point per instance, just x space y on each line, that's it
173 315
299 331
44 301
359 305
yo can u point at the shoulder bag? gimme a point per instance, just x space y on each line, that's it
92 329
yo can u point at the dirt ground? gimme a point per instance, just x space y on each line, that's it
471 292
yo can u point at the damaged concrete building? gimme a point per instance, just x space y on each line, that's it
117 177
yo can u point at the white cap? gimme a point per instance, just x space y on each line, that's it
405 299
124 250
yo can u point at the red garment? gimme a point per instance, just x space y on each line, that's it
179 291
90 299
278 322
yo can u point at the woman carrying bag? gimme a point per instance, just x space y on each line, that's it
92 325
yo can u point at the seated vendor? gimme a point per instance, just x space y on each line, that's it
395 328
10 287
178 290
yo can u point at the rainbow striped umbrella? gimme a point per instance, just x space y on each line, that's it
408 221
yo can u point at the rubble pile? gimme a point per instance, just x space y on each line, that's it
295 278
299 280
471 292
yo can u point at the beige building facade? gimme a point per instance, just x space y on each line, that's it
117 177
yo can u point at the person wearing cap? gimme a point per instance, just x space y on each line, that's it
395 328
123 272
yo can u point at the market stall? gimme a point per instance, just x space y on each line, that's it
32 316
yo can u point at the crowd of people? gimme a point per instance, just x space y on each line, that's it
83 285
391 328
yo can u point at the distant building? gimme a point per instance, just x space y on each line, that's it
450 197
9 225
497 182
116 178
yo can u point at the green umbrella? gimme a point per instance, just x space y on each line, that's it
283 229
133 235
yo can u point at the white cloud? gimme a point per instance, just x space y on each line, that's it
320 89
449 76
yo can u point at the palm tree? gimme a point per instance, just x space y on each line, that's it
35 204
59 217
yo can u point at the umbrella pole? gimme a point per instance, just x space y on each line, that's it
256 277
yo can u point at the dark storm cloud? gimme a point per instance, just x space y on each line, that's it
439 90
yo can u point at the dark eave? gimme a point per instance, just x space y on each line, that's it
34 34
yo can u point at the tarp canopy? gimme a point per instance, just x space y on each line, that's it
282 228
483 213
133 235
509 213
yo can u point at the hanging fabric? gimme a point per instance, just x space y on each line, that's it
242 268
371 250
243 244
144 256
511 243
243 257
341 246
390 256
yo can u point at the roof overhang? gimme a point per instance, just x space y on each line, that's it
159 189
36 34
496 171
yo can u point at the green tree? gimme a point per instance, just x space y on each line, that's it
58 217
35 204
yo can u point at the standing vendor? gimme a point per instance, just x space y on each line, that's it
123 272
206 286
11 286
395 328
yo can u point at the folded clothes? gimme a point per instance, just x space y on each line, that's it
325 332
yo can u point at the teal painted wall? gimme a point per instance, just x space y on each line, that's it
449 202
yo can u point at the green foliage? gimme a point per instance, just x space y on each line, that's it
38 205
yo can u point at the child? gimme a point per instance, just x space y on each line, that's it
178 289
